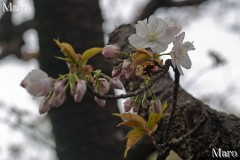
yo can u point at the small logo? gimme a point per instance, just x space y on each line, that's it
219 153
10 7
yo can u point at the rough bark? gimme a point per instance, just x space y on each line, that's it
221 130
83 131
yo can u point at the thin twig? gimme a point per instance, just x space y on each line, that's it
174 104
190 133
28 132
138 91
164 153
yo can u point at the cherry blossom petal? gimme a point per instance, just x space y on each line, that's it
138 42
141 28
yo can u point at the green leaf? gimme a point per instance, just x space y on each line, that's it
133 137
67 49
72 82
164 107
154 118
140 126
90 53
64 59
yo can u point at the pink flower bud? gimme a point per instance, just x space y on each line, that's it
135 108
156 105
80 90
57 99
101 102
127 71
128 105
126 64
37 83
59 86
115 71
44 106
110 51
145 102
116 83
103 86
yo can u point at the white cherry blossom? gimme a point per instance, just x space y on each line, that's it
155 33
179 53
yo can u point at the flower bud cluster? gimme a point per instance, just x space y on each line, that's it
124 70
102 87
131 104
38 84
141 101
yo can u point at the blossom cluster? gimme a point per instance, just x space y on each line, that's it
39 84
152 38
157 33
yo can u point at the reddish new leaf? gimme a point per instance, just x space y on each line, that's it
132 120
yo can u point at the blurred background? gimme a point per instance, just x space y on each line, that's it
213 25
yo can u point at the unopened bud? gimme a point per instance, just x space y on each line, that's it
110 51
37 83
59 86
116 83
145 102
156 105
80 90
100 102
115 71
57 99
103 86
44 106
127 105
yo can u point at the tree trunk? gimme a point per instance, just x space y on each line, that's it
220 130
83 131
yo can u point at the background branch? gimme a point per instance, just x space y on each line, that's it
11 36
153 5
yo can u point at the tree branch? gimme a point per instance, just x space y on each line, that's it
156 77
220 130
11 39
153 5
174 105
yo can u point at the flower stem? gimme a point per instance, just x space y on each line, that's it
164 54
175 93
